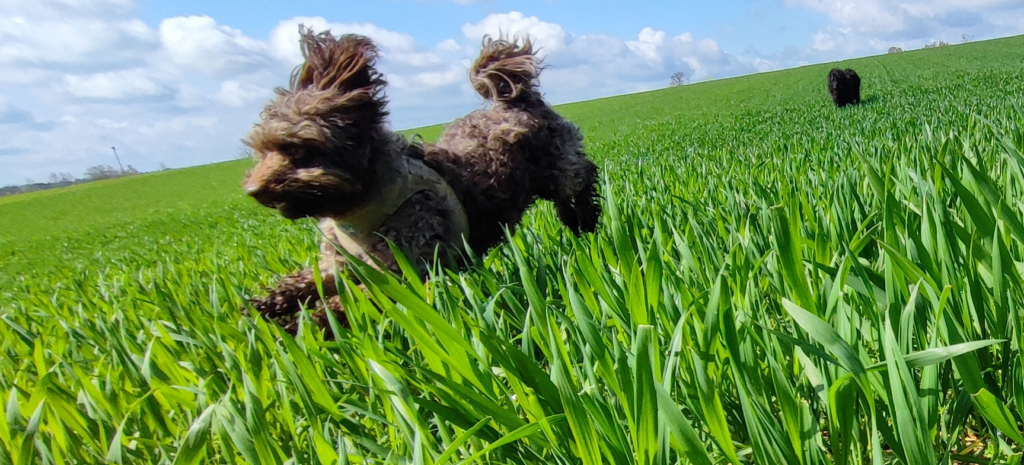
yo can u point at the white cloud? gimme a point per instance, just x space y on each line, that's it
186 92
70 7
113 85
82 33
412 71
236 94
454 74
645 63
864 15
549 37
198 43
449 45
870 26
823 42
191 96
284 39
648 44
416 59
596 65
88 42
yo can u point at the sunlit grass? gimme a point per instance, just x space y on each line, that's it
774 282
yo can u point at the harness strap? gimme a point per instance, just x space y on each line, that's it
358 230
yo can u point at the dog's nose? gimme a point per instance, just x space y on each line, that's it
256 191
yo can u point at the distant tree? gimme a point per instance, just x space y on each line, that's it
29 181
966 38
131 170
54 179
67 177
678 79
163 167
895 49
95 173
936 44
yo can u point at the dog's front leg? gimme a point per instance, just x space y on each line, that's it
284 302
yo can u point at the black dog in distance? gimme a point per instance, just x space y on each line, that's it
844 86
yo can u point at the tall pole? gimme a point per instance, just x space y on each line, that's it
118 159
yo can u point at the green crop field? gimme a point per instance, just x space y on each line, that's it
775 281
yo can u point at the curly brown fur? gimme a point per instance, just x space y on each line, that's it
505 70
323 152
844 87
500 160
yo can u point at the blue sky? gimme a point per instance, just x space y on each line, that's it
179 83
735 23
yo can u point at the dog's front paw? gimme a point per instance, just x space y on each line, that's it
285 313
332 306
277 308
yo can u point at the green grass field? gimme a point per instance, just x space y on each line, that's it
775 281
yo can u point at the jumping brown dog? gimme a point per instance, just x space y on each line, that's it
323 151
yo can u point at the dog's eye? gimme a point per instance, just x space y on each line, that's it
304 156
294 152
290 150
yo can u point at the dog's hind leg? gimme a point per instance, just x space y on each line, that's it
580 210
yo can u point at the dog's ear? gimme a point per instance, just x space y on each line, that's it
341 71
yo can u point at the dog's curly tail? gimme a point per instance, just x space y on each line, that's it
505 69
